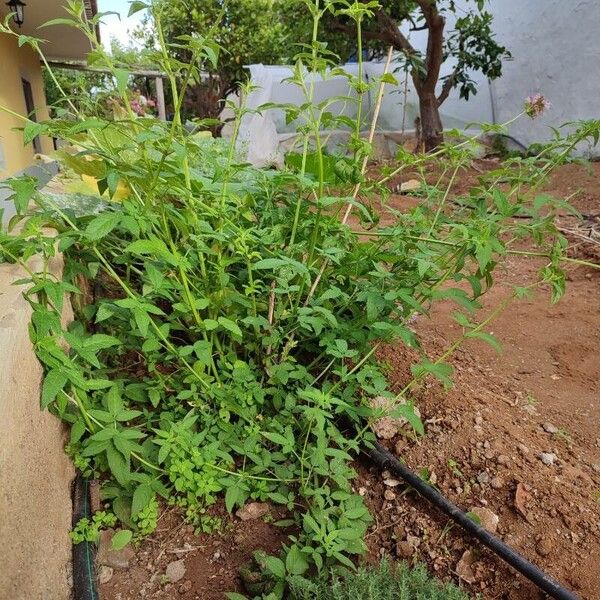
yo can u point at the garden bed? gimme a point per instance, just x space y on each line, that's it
484 440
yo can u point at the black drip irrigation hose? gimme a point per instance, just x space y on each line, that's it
84 580
386 460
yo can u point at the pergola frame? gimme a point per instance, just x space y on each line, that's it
158 77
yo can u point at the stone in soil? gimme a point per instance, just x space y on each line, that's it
483 478
391 482
497 483
488 519
387 427
105 574
521 498
175 571
464 568
404 549
548 458
389 495
253 510
523 449
544 546
549 428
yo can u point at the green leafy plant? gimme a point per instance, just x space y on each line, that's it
382 582
227 318
88 530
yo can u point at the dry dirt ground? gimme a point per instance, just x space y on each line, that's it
482 449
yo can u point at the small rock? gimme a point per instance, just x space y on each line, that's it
253 510
399 532
549 428
389 495
401 445
497 483
175 571
362 491
464 568
391 482
478 420
105 574
483 477
404 549
488 519
108 556
387 427
523 449
503 459
410 185
185 587
522 496
544 546
548 458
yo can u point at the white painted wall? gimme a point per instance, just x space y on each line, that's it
556 52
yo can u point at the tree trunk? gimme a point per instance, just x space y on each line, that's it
432 130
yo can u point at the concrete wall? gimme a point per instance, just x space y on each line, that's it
35 473
556 52
17 63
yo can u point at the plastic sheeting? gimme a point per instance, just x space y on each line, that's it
265 136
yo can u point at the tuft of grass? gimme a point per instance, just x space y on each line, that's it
384 582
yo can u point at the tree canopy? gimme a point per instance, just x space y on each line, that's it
272 31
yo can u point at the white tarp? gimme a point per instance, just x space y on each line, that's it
261 135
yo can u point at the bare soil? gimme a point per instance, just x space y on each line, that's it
482 448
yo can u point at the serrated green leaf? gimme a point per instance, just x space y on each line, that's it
54 382
102 225
230 326
276 566
486 337
295 561
136 6
142 496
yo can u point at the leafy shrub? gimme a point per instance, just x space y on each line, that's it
226 317
375 583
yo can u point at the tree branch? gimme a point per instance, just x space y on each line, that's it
435 42
446 88
392 34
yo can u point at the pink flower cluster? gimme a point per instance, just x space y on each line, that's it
536 105
140 104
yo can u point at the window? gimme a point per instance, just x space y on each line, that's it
30 106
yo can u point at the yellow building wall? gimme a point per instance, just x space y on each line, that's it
16 64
